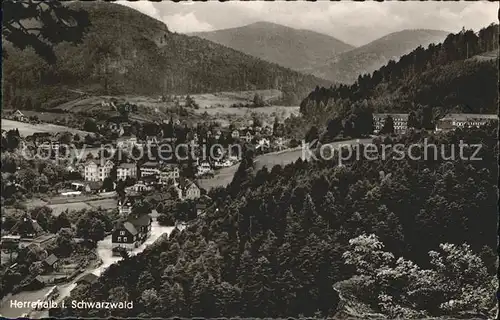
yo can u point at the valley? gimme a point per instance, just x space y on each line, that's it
225 160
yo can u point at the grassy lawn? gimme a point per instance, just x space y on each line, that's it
27 129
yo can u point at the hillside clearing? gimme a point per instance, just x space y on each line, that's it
27 129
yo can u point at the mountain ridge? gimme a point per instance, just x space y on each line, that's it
296 49
142 56
347 66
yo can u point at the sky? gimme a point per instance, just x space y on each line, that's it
356 23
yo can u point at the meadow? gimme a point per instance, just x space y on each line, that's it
27 129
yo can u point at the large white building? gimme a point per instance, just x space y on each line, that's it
97 170
126 170
150 168
169 174
462 120
400 121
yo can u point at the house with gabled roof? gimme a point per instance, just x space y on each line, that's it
89 278
189 190
132 233
51 263
125 205
97 170
19 116
27 228
125 236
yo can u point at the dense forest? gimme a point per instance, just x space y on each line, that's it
346 66
141 56
399 237
446 77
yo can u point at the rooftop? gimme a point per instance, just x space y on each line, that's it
394 115
51 259
127 165
143 220
88 278
150 164
469 116
130 228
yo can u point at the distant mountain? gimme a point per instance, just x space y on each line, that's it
292 48
347 66
127 52
458 75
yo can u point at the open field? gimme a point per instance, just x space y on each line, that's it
57 209
150 108
105 204
59 204
226 99
282 111
26 129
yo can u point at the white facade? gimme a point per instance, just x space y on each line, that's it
169 174
126 170
400 121
150 168
94 171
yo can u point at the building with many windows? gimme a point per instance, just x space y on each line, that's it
400 121
170 173
97 170
462 120
131 233
150 168
126 170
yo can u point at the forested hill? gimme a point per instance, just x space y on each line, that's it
345 67
126 51
444 77
292 48
277 243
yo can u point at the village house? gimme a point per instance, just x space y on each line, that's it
169 174
52 263
146 184
97 170
400 121
263 144
42 240
10 242
461 120
125 205
204 168
88 187
247 135
150 168
27 228
125 236
19 116
143 226
126 170
126 142
132 233
235 134
189 190
88 279
217 134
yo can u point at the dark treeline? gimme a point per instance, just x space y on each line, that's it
278 244
437 76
